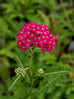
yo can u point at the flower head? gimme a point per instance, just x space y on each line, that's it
36 35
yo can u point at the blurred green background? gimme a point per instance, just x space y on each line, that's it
58 15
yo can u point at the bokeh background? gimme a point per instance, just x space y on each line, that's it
58 15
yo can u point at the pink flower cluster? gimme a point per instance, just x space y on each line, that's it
36 35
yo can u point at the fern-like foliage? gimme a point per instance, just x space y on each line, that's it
50 76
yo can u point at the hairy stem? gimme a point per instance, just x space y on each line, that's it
30 61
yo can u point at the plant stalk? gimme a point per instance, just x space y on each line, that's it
30 61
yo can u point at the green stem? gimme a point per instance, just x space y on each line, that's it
30 61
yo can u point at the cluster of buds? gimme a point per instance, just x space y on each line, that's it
20 71
36 35
40 71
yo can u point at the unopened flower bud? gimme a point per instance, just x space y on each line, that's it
40 71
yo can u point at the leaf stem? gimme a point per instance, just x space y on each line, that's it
56 72
19 61
14 82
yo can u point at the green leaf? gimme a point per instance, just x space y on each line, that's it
44 17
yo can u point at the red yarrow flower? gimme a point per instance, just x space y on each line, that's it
36 35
